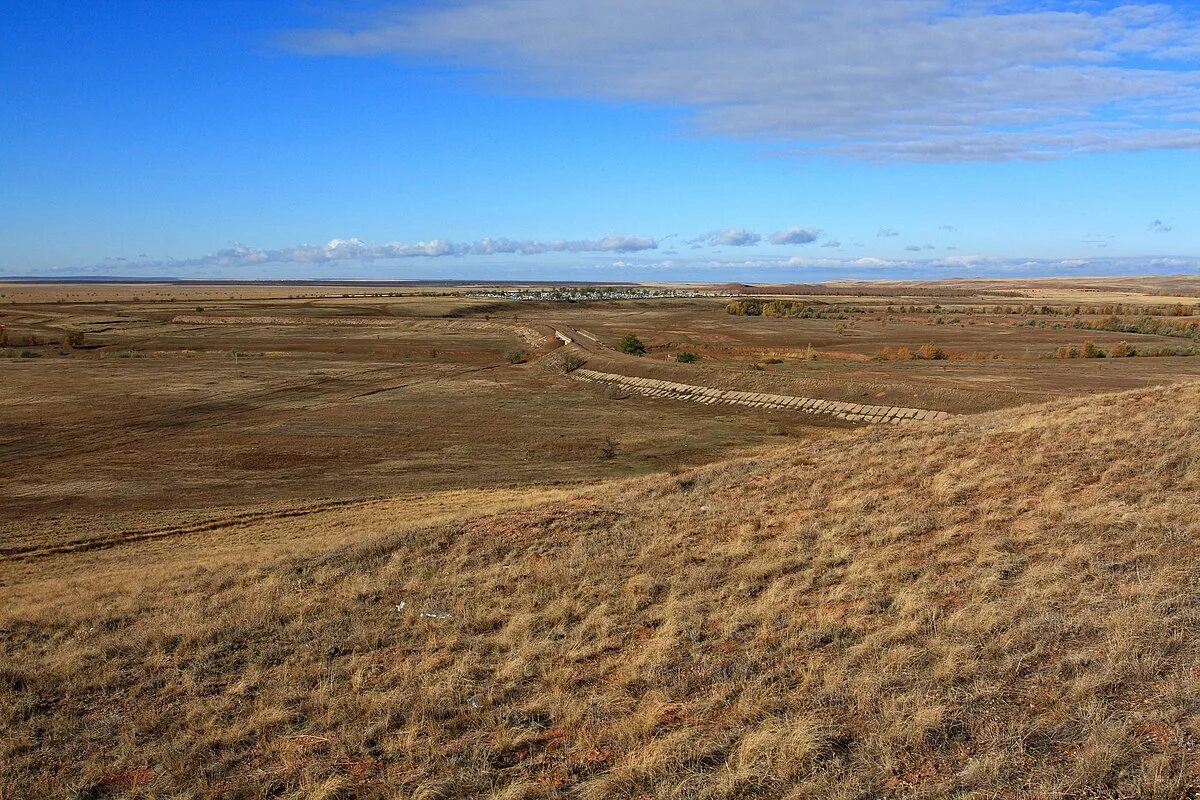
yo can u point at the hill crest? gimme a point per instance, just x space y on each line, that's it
1000 604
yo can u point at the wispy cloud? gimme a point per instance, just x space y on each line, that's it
918 80
1158 226
886 233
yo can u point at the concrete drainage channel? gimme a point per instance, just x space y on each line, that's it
852 412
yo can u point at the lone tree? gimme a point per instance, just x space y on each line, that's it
631 344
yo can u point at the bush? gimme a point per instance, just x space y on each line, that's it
930 352
1090 350
572 362
744 308
515 356
1123 350
686 357
631 344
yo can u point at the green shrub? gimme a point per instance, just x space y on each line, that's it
631 344
686 357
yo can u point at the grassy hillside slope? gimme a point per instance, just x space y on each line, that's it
1005 606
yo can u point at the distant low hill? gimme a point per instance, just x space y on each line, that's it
1001 606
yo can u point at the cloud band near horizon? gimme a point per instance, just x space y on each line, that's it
357 250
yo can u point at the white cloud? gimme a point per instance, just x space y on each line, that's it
965 261
795 235
1158 226
730 237
884 233
611 243
924 80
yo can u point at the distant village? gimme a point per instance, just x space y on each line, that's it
579 294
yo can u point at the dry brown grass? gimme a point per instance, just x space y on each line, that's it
1001 607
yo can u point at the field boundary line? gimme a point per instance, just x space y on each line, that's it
150 534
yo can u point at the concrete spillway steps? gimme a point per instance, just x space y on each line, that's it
852 412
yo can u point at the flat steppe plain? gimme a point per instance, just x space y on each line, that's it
185 405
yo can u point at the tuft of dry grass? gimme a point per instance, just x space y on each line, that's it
1001 606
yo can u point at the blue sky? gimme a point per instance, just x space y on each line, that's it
599 139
